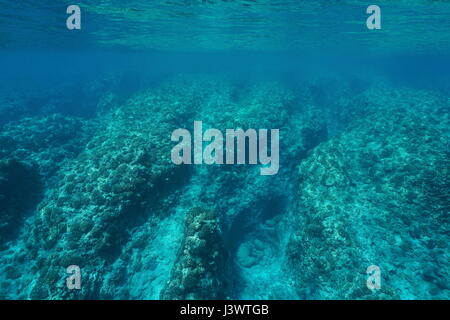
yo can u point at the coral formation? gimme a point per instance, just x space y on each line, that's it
363 180
376 195
46 142
199 270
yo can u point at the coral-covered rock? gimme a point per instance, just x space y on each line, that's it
46 142
377 195
122 176
199 270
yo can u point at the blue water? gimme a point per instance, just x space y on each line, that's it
358 207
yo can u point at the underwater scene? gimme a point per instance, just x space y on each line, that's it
224 149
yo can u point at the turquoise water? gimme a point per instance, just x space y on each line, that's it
352 201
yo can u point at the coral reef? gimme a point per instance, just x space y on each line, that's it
251 206
45 142
199 270
376 195
20 187
12 107
363 180
104 192
76 99
123 174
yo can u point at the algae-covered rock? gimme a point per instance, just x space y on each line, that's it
199 270
376 195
